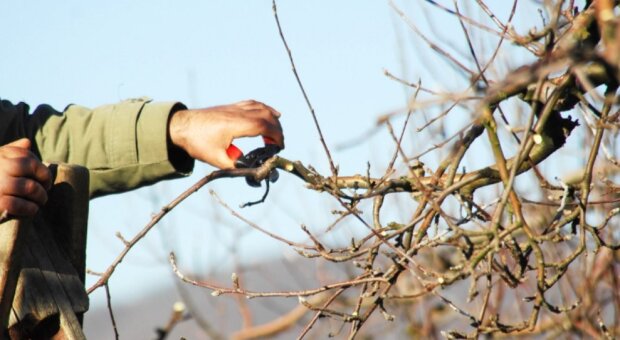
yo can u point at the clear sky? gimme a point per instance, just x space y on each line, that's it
205 53
202 53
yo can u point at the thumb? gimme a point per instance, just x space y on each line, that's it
23 143
222 160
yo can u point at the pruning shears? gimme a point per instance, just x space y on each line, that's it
254 159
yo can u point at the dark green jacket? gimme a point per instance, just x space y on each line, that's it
123 145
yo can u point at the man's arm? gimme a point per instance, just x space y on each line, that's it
136 142
123 145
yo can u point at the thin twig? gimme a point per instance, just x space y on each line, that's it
219 290
303 91
109 303
105 276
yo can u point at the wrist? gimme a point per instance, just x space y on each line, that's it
177 153
177 125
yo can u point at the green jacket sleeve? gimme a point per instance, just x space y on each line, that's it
124 145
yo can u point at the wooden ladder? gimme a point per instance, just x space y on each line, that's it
42 263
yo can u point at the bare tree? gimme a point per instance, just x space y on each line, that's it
514 247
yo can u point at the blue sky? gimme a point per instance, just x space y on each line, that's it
202 53
207 53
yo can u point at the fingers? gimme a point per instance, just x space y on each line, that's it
18 207
18 164
24 180
262 120
23 143
260 106
11 151
274 135
25 188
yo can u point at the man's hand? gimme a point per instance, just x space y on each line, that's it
24 180
205 134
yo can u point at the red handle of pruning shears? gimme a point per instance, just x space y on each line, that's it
235 153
